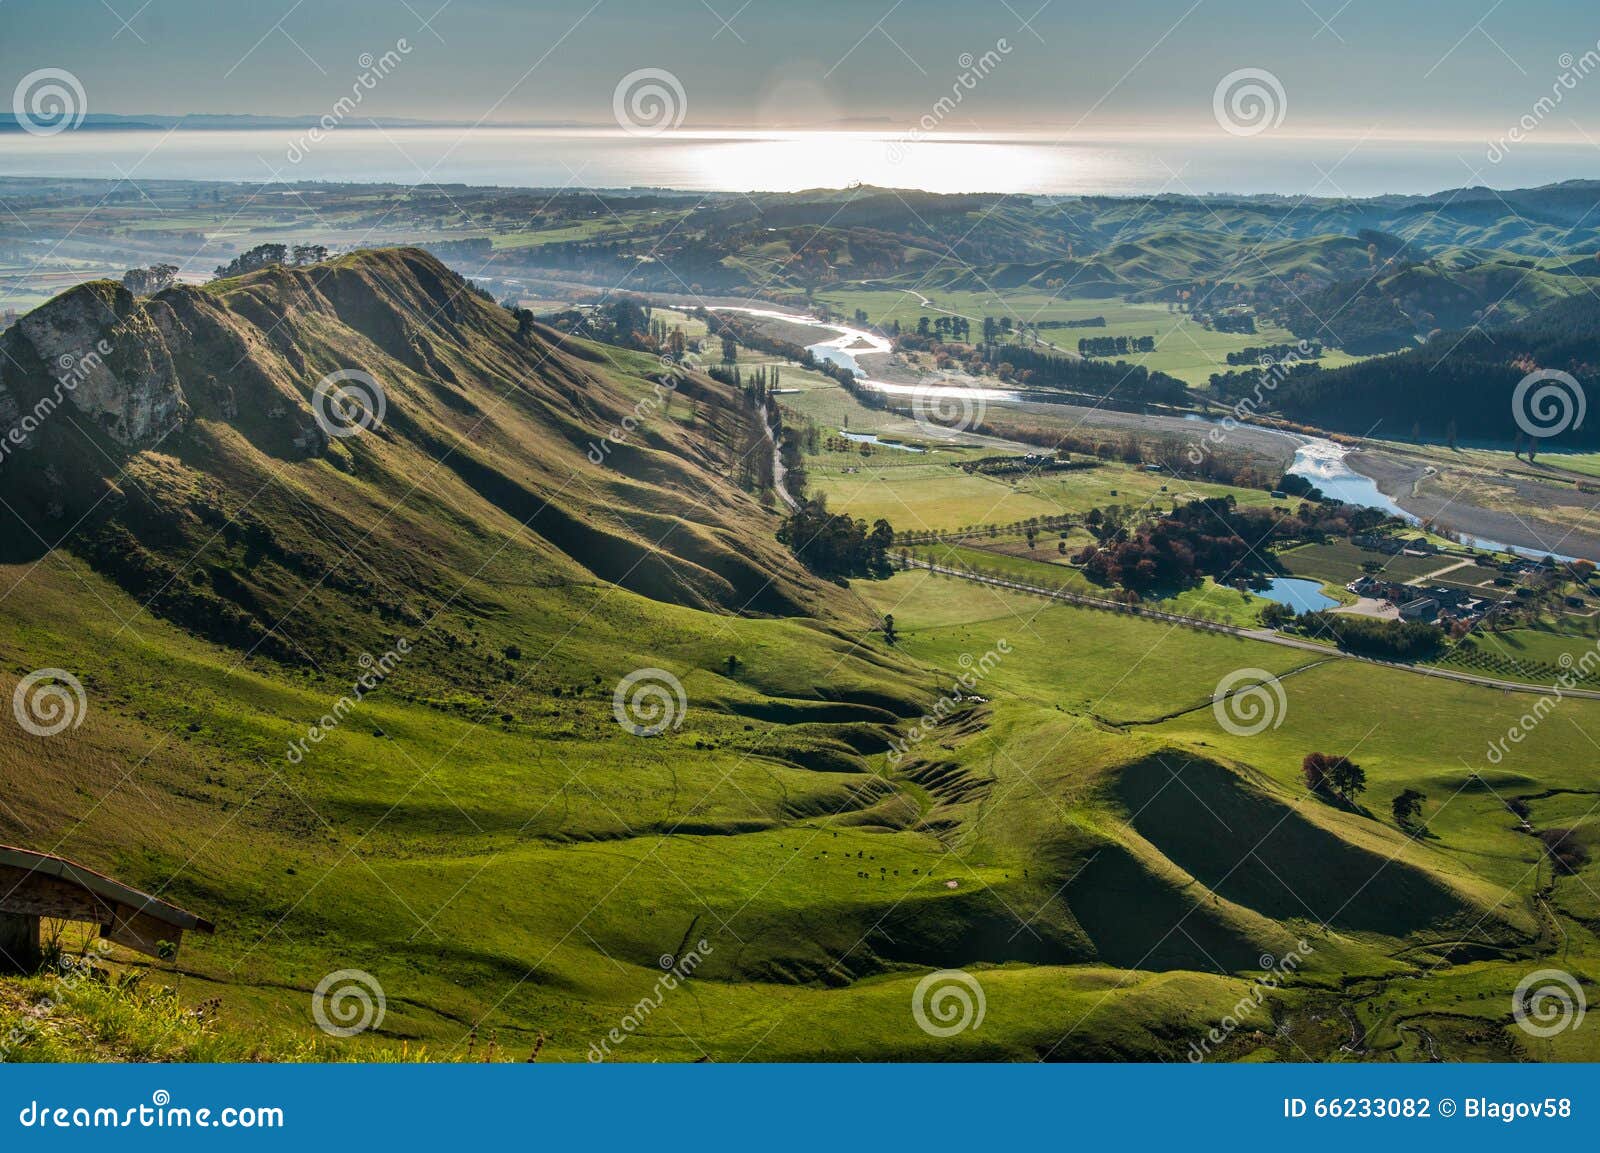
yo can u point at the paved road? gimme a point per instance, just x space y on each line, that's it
1267 636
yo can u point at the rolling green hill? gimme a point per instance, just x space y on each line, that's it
479 832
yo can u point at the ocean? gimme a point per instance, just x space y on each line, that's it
789 161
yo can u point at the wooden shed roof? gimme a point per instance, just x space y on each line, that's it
49 865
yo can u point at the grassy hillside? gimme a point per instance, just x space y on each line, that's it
480 834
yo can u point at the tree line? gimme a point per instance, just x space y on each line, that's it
271 255
1115 345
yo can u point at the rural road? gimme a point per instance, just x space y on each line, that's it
1267 636
780 474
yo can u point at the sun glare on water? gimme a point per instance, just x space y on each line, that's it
792 161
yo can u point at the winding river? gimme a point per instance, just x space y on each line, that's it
1316 459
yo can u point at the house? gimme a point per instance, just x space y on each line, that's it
1447 597
1421 609
35 885
1374 543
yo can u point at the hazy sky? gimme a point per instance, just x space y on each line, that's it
1472 67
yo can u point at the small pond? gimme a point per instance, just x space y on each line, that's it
1303 596
872 438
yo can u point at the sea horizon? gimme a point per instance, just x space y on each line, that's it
735 160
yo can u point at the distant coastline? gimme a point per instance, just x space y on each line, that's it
391 151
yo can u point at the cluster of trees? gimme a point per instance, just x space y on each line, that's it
1115 381
1030 527
728 328
1340 778
1209 537
1331 776
1565 850
1255 354
1387 640
1115 345
620 319
1164 555
1234 322
1460 383
948 327
1032 465
835 545
269 255
1237 468
695 261
992 328
753 460
1365 318
1259 384
149 281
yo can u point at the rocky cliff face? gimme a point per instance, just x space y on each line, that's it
103 358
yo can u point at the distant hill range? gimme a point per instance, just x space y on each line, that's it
1369 276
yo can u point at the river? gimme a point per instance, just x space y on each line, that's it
1316 459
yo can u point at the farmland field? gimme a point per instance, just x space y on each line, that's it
1184 348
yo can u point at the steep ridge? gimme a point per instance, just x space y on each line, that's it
161 428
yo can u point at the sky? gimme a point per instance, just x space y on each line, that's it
1426 68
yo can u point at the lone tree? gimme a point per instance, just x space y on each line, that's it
524 320
1408 807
